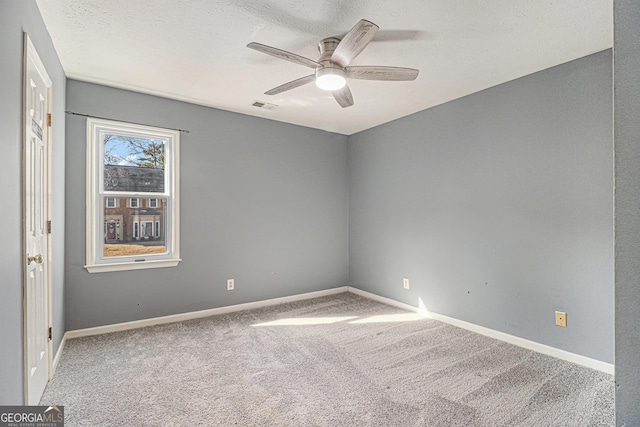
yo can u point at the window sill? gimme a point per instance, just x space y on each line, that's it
123 266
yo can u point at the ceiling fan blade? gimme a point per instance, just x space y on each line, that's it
354 42
382 73
400 35
283 54
343 96
291 85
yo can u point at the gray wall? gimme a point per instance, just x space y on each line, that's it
17 17
627 205
497 206
263 202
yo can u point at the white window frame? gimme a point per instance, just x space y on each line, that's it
95 260
115 203
131 199
155 202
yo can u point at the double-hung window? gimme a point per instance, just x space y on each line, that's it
126 165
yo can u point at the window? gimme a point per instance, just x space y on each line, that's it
127 163
146 230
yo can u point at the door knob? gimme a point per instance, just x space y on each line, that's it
37 259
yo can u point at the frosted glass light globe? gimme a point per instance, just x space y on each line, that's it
330 78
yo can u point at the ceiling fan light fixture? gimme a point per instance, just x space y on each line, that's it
334 64
330 78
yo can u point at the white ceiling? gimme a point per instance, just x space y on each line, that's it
195 50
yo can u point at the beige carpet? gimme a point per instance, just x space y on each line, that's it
341 360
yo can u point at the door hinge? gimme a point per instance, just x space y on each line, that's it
50 334
49 119
49 227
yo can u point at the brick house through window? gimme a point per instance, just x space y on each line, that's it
139 219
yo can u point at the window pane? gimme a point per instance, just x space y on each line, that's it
133 164
131 231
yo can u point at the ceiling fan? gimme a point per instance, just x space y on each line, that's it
332 69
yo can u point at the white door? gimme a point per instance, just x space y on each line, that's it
36 153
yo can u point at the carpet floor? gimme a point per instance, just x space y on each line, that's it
340 360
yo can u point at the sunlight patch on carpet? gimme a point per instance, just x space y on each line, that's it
305 321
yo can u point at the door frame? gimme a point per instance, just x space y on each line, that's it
29 51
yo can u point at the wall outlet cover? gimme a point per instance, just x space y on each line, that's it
405 283
561 319
230 284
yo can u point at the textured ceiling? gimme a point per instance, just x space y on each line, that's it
195 50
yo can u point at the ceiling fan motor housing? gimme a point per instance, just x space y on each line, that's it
326 47
329 76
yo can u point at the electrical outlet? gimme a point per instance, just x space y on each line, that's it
230 284
405 283
561 319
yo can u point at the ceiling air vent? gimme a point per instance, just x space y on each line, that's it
264 105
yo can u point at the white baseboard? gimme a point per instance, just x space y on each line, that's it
196 314
56 359
511 339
